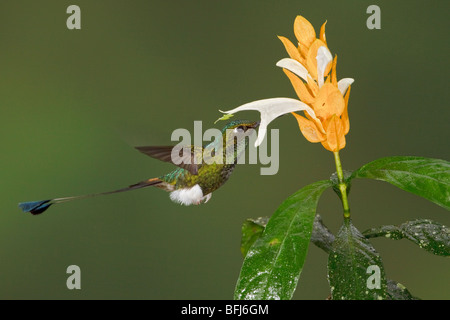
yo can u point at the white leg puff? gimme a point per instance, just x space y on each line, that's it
188 196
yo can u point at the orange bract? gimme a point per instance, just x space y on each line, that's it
309 129
328 100
304 31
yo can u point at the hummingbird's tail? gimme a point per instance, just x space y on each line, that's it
37 207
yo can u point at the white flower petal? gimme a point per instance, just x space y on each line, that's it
294 66
324 57
271 109
261 132
343 84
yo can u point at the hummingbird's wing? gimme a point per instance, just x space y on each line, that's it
190 161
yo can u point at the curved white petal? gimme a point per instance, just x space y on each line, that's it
261 132
343 84
323 57
293 66
271 109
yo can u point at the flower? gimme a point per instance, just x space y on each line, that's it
312 72
271 109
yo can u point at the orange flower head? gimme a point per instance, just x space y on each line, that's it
312 72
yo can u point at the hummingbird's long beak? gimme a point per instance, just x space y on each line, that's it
255 124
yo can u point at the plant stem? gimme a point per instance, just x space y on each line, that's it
342 185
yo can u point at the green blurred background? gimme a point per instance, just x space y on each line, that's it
73 103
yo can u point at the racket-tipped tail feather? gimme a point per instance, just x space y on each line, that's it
37 207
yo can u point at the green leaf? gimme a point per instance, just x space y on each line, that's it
321 236
273 264
429 178
252 230
355 270
397 291
429 235
347 180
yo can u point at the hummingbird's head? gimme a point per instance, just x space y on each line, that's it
240 126
236 136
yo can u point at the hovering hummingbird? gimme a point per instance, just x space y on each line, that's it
195 178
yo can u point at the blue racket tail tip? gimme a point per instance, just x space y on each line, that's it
35 207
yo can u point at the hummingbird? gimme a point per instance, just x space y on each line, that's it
195 178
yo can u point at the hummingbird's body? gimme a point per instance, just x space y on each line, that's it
193 184
195 179
187 188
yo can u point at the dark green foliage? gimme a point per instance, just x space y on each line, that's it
252 230
355 270
428 235
397 291
273 264
321 235
275 253
428 178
